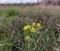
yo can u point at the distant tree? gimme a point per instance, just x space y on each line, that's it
53 2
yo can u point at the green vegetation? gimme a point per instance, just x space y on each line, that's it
29 28
9 12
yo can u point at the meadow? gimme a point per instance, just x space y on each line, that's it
29 28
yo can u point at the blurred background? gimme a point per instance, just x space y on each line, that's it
53 2
19 1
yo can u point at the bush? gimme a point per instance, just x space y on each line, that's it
12 12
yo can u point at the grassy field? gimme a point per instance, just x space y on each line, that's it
29 28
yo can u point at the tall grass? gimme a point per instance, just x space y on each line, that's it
9 12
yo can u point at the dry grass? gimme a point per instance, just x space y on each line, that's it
55 7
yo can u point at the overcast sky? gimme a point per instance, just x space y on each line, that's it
18 1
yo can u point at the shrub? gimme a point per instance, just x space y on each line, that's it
12 12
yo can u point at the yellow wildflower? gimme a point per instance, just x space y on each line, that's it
39 25
34 24
27 38
32 29
26 27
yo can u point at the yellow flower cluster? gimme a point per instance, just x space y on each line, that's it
32 28
29 28
26 27
39 25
